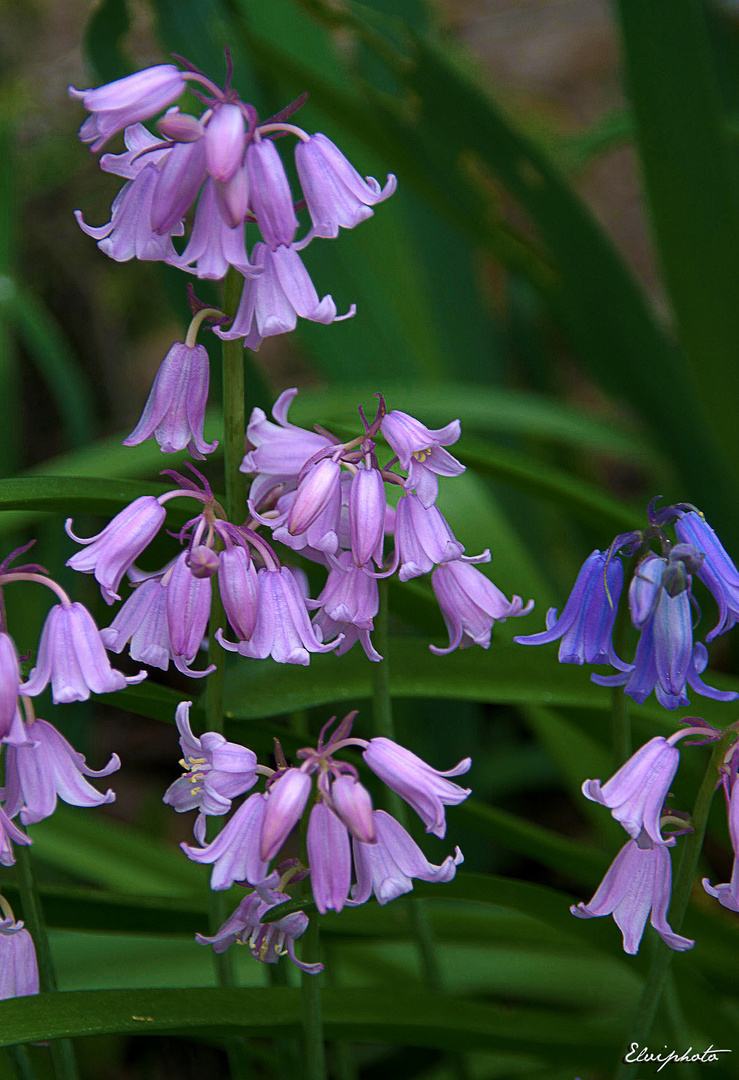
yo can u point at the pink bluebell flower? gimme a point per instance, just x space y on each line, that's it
267 942
367 501
235 852
287 797
421 450
387 868
10 834
174 413
424 788
188 601
329 857
142 620
10 680
216 771
239 589
471 605
46 767
727 894
18 966
423 538
317 490
123 102
335 193
280 450
71 655
110 554
215 243
636 885
269 194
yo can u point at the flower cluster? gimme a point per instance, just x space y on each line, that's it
227 160
661 606
639 881
322 498
342 829
40 766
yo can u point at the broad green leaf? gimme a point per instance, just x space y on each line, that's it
107 25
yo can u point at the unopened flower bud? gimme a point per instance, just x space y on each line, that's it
354 806
286 799
180 127
314 493
203 561
645 588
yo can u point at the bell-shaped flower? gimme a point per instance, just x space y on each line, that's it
353 803
123 102
10 680
327 629
225 140
181 175
18 966
319 487
471 604
142 620
287 797
267 942
387 867
10 834
420 450
71 655
239 589
666 659
129 233
717 572
128 165
367 501
233 198
234 854
424 788
349 595
636 793
271 200
272 301
586 624
335 193
176 126
283 630
174 413
329 858
188 609
280 449
47 767
109 554
645 589
423 538
728 893
637 883
214 243
216 771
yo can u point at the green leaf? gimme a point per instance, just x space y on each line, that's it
107 26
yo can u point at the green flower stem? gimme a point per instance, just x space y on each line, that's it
62 1051
234 418
660 966
315 1051
21 1062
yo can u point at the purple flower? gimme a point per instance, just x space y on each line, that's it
349 595
129 232
586 624
367 503
216 772
666 658
324 534
142 620
283 630
18 967
335 193
422 538
327 628
175 409
128 165
45 767
238 585
10 834
280 450
425 789
420 450
180 177
267 942
109 554
319 487
123 102
353 804
638 882
214 243
272 301
71 656
717 571
225 141
471 604
188 610
645 589
10 679
329 857
728 893
235 851
287 797
271 200
637 792
387 868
